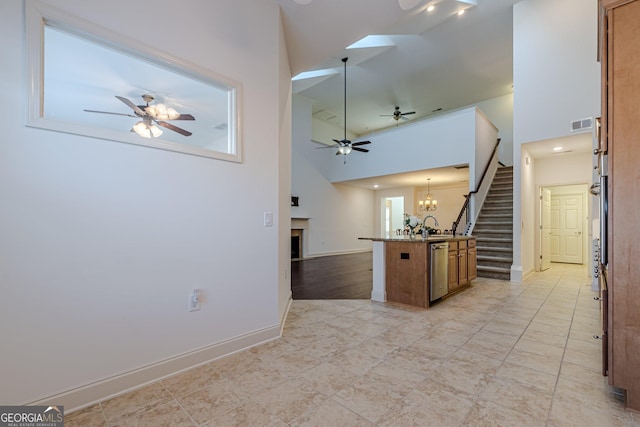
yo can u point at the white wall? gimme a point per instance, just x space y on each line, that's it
556 80
555 72
103 241
437 142
284 179
500 111
338 214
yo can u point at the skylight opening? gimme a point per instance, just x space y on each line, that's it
372 41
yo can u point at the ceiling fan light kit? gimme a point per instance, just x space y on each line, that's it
161 112
146 130
152 116
397 114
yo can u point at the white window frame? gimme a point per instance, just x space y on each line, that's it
38 15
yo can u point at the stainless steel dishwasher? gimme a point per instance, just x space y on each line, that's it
439 267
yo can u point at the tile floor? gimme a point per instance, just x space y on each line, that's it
497 354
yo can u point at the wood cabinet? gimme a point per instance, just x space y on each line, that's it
463 277
619 46
406 273
472 260
453 266
462 263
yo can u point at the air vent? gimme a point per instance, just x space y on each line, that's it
577 125
324 115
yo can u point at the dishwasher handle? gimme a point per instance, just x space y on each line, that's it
440 246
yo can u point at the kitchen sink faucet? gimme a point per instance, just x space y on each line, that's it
435 221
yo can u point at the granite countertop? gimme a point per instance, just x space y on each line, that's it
419 239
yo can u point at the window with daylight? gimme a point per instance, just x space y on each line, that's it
89 81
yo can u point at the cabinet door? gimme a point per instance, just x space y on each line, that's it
453 271
462 267
622 131
472 268
406 273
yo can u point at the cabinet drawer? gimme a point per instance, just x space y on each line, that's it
471 243
462 244
453 246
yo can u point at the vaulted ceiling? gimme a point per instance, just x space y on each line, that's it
423 61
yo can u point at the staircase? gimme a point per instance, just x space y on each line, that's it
494 228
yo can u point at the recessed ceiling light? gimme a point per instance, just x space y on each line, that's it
431 8
375 186
558 148
461 12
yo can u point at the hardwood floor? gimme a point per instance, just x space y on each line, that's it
333 277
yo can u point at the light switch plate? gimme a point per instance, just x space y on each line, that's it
268 219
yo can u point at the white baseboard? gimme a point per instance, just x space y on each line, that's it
90 394
321 254
516 273
379 296
283 318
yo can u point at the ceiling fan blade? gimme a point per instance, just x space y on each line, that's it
355 144
410 112
184 117
173 128
326 146
133 106
108 112
364 150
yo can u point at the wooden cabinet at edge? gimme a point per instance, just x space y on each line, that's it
620 133
462 263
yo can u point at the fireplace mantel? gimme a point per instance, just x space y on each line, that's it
299 223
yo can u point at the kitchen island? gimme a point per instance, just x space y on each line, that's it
403 271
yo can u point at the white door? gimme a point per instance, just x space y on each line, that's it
545 229
566 228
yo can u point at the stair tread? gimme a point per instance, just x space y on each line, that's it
493 258
493 248
496 269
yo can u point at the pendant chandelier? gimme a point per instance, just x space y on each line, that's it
428 204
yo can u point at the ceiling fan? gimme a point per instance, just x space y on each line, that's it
397 114
345 146
151 115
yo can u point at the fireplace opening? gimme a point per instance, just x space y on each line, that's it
296 244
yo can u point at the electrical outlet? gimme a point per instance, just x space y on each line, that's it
194 300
